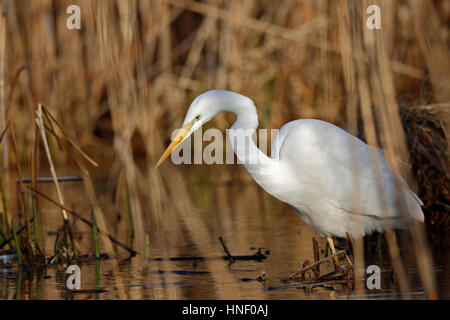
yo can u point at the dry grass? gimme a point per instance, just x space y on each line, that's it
123 83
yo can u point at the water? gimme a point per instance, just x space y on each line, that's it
241 213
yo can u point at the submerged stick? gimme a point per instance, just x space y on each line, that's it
89 223
17 231
230 257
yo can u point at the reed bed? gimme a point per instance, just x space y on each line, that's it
116 89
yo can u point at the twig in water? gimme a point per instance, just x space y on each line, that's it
230 257
333 256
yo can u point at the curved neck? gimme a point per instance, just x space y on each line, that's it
240 135
263 169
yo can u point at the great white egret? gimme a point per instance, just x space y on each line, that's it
335 182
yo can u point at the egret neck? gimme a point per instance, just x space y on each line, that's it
261 167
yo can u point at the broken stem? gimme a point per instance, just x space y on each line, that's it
230 257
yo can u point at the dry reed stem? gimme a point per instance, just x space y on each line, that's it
40 124
2 80
382 87
90 191
299 34
349 40
70 141
34 159
121 95
399 147
245 21
433 46
195 53
4 132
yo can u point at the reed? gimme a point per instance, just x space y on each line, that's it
17 244
95 236
3 45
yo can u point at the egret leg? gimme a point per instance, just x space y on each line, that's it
379 245
333 251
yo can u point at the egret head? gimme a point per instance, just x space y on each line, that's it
201 110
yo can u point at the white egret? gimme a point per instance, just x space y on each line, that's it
316 167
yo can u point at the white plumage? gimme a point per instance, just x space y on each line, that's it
335 182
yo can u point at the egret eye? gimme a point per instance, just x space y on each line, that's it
197 117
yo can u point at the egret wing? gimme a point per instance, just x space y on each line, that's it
344 170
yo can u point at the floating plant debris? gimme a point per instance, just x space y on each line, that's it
181 272
178 259
247 279
341 274
161 285
187 272
88 291
258 256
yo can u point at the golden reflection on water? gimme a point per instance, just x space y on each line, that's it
228 206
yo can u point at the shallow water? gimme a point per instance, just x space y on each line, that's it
243 215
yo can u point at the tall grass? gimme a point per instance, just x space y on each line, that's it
120 86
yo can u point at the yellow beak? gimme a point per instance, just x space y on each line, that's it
176 141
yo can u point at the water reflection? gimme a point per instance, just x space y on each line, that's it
191 283
244 215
